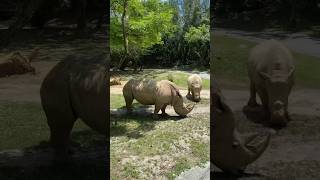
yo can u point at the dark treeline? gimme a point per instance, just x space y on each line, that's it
37 13
288 14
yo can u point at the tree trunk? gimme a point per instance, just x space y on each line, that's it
124 33
81 14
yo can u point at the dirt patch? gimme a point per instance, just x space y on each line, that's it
25 87
294 151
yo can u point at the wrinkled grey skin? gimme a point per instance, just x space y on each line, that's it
158 93
194 87
17 64
76 88
232 151
271 74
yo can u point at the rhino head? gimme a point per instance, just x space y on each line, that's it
278 87
195 90
179 106
233 151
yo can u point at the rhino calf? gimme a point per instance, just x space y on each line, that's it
232 151
194 86
17 64
160 94
75 88
271 74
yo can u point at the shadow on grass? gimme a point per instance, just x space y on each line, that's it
36 162
135 124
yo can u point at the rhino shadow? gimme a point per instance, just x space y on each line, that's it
142 116
36 162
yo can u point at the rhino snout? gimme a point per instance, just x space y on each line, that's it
184 109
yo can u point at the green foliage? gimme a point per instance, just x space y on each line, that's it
147 22
196 34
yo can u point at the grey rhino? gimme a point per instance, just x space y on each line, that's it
15 63
232 151
160 94
75 88
271 74
194 86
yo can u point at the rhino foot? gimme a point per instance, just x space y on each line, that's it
155 116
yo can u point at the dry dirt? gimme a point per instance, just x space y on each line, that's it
294 151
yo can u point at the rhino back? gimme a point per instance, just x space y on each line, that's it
144 91
194 79
268 57
79 84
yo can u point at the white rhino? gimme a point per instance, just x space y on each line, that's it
160 94
75 88
232 151
16 63
194 86
271 74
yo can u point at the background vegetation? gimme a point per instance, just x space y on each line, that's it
159 33
250 14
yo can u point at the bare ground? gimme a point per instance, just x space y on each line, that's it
294 151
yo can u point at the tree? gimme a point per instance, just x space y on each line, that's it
142 25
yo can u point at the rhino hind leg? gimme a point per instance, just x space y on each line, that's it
60 124
128 97
163 110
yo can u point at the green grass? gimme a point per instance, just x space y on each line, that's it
24 125
144 145
231 55
181 165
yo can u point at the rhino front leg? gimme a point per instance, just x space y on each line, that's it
253 99
157 108
163 109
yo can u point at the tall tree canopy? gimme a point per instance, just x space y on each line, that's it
160 31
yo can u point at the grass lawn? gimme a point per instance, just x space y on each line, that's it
230 58
24 125
142 148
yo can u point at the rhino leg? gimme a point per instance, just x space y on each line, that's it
253 99
60 120
163 109
128 97
157 108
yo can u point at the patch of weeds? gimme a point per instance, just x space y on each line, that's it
130 171
200 150
155 144
181 165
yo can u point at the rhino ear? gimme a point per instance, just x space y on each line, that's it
264 75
